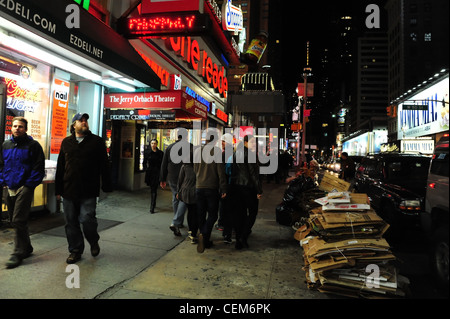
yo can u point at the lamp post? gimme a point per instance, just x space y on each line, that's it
306 72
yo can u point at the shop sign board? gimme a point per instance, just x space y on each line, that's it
418 145
161 100
140 114
432 119
232 17
164 24
59 116
200 60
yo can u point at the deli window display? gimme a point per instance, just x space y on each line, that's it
25 85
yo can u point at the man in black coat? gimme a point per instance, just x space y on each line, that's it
82 163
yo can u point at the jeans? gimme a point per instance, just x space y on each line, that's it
19 207
179 207
82 212
207 209
245 210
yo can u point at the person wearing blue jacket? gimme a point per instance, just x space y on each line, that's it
22 169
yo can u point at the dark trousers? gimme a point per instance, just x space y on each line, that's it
82 212
153 195
192 218
245 210
207 210
19 207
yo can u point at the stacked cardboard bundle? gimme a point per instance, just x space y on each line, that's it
344 250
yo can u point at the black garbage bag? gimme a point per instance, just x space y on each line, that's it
295 189
284 214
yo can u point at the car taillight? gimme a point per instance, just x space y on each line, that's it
432 185
410 205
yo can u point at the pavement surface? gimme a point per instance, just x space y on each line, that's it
141 258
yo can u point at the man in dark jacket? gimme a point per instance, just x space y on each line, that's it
82 163
175 156
22 168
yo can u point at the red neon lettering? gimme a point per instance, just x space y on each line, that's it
161 23
199 61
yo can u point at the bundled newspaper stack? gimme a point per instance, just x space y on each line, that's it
344 250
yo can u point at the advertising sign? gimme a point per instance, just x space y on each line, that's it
232 17
432 119
59 115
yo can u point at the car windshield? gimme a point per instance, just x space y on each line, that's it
407 170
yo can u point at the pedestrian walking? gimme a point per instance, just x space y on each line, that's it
225 222
170 170
82 169
186 194
246 189
22 169
211 185
152 164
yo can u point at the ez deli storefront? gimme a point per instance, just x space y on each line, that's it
48 73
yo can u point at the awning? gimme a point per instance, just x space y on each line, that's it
164 100
93 43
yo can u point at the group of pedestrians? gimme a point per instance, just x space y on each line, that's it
224 186
229 184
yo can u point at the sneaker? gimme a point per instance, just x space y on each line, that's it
95 249
227 240
175 229
201 244
73 258
13 262
194 240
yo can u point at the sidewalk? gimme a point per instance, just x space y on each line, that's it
140 257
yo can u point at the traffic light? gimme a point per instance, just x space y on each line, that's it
389 111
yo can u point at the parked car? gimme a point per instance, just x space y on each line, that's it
435 218
396 185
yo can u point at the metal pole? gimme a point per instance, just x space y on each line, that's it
305 99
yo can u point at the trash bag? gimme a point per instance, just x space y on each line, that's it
296 188
284 214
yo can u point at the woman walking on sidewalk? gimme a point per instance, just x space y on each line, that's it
152 165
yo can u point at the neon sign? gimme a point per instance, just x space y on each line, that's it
200 61
158 24
20 99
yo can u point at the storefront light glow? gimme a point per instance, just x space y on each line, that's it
40 54
118 85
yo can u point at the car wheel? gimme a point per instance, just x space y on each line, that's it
439 258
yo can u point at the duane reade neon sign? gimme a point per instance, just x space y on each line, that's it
200 61
232 17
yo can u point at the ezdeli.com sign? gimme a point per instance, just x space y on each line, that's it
55 26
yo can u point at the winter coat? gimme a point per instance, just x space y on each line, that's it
170 168
152 166
245 174
81 166
186 184
210 175
22 163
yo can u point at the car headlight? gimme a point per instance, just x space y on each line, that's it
410 205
